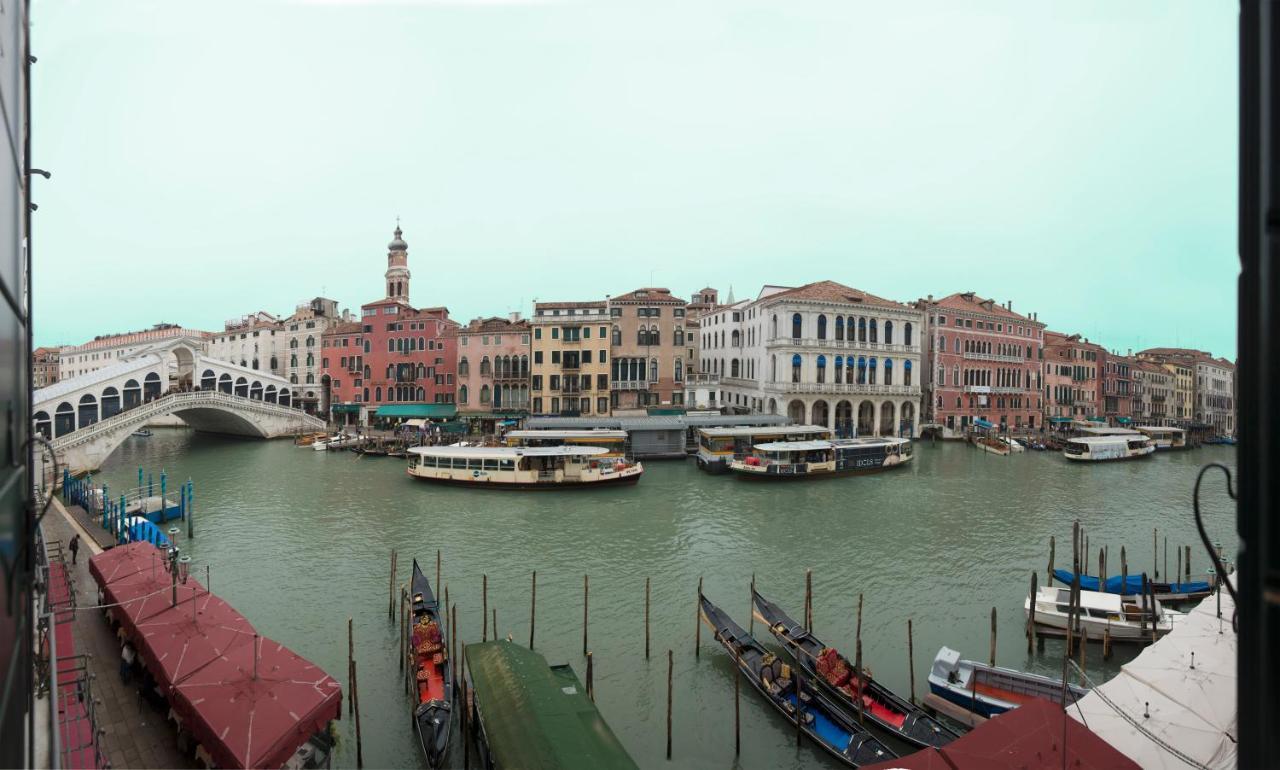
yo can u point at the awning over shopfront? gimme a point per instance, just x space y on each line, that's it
426 411
1059 419
453 427
981 423
1097 419
414 423
1123 420
514 414
345 408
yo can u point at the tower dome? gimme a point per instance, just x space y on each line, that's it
397 243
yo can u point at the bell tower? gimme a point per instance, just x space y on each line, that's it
398 267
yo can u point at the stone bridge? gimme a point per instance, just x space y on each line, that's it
213 411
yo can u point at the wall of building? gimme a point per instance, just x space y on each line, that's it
569 358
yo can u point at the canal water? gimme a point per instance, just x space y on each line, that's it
299 541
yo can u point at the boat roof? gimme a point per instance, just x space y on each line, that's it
1110 431
1104 440
793 446
1165 428
603 433
539 716
870 441
1093 600
762 430
507 452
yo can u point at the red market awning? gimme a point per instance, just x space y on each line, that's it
178 641
131 594
243 720
1028 736
124 560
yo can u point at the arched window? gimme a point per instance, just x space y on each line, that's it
773 368
796 325
367 372
822 364
888 332
642 336
796 362
679 370
655 336
293 378
88 412
270 394
64 419
862 370
391 346
871 371
422 343
311 359
773 327
873 334
822 327
679 336
422 394
616 336
862 330
44 426
485 369
736 338
242 387
208 381
286 396
110 402
888 371
311 378
150 386
906 369
293 343
377 393
734 370
422 372
254 363
484 394
906 335
839 327
839 369
255 390
653 370
464 368
293 361
224 383
311 342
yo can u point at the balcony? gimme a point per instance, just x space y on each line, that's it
571 366
629 385
994 357
869 347
841 388
997 390
702 380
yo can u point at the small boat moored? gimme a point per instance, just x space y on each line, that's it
893 714
143 433
552 467
1184 591
433 708
820 457
991 690
1163 437
1124 618
824 720
718 446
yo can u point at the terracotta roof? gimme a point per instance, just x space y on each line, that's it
968 301
830 291
600 304
1186 355
651 294
494 324
1149 366
344 327
1058 339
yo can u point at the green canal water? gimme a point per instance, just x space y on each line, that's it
299 541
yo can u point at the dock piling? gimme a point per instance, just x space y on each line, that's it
1106 643
911 660
646 618
1124 571
1178 553
1049 578
697 622
1155 552
453 640
437 569
751 606
1151 602
857 666
591 691
1084 643
391 587
737 712
993 635
484 608
495 624
403 635
533 605
1187 563
351 656
1166 561
586 595
1031 614
808 600
355 696
1143 599
670 667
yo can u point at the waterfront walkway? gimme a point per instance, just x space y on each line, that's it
135 734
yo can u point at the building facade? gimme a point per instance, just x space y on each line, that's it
1117 389
1153 393
984 363
648 349
107 349
1204 389
822 353
402 354
251 341
493 365
44 367
701 390
569 359
302 348
1073 369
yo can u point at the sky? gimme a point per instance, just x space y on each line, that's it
212 159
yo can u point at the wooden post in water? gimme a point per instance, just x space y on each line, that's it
391 587
1106 643
737 715
586 593
808 600
697 623
1075 546
437 569
1102 568
533 605
1155 552
1151 602
670 667
1124 572
911 657
484 608
351 656
591 690
1049 578
453 641
1084 642
403 635
1188 563
857 666
751 607
355 696
1143 602
1166 561
495 624
1084 561
646 618
993 637
466 711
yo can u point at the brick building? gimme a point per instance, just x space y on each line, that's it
493 365
647 345
44 367
1073 368
1117 388
984 363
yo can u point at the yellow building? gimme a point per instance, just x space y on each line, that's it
569 367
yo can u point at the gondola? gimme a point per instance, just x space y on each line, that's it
822 719
433 708
881 706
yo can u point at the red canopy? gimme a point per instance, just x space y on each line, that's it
124 560
130 595
177 641
248 721
1030 736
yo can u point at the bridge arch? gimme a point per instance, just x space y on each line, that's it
150 386
64 419
110 402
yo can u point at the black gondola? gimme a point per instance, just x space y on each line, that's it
820 717
888 711
433 708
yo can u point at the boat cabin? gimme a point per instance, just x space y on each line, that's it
717 446
1107 447
615 441
815 457
1164 437
521 466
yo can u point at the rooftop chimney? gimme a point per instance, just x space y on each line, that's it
513 316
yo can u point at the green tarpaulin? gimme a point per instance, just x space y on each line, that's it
539 716
345 408
1123 420
1059 419
436 411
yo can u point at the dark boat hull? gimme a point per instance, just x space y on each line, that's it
619 481
432 719
918 729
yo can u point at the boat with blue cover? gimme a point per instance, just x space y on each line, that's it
893 714
820 717
1131 585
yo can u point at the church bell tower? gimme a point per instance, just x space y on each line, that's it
398 267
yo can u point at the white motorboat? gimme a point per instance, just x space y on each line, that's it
1123 616
1103 448
992 690
548 467
1013 444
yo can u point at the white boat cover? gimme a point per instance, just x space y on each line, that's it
1190 709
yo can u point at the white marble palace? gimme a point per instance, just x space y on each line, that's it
822 353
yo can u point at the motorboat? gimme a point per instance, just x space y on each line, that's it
548 467
991 690
1128 618
822 457
1106 448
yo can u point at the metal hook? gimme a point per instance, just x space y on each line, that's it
1204 536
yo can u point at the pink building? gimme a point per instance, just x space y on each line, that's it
983 364
493 365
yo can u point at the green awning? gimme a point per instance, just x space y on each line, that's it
1059 419
1123 420
1097 419
499 415
345 408
664 410
539 716
429 411
453 427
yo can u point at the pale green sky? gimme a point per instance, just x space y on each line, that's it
215 158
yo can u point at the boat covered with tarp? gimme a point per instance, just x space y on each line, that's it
1132 585
528 714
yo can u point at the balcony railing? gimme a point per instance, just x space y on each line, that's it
813 342
995 357
995 389
702 379
841 388
629 384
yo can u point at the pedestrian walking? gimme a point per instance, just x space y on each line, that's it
74 545
126 663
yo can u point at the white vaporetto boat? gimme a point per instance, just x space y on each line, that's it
1165 438
803 459
1102 448
551 467
1122 616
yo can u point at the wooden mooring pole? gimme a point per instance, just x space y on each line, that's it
403 635
351 656
1084 642
355 696
1187 564
1178 553
751 606
586 594
808 600
533 605
697 622
1106 643
1031 614
484 608
437 569
1049 572
495 623
646 618
670 668
391 587
1155 552
737 712
911 661
857 665
453 641
993 637
591 689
